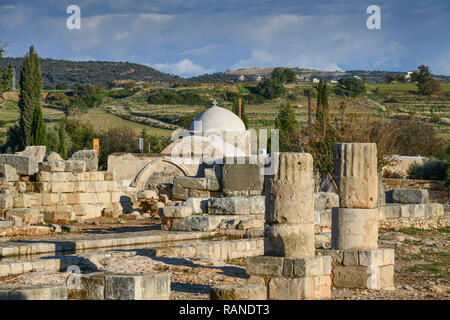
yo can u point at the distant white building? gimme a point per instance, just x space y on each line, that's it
241 78
315 80
357 77
408 75
333 81
258 78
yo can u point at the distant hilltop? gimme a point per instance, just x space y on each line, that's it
105 72
93 72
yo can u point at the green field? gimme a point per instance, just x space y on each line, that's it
134 111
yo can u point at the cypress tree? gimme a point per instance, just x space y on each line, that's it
30 97
322 110
63 147
288 126
38 130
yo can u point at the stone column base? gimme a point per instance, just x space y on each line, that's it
292 278
365 269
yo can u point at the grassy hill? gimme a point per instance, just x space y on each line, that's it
93 72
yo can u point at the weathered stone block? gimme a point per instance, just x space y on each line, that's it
325 200
233 292
410 196
350 277
90 156
88 210
176 211
230 205
294 241
28 215
240 174
354 229
91 287
371 257
24 165
305 267
37 152
387 277
356 174
198 205
8 173
53 166
300 288
6 201
77 166
52 156
23 200
137 287
62 216
265 265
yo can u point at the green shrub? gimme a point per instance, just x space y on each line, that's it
429 170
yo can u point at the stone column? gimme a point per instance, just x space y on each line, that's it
289 226
289 268
357 261
355 223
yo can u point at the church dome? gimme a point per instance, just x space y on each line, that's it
218 118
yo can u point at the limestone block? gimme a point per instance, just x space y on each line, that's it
146 194
192 223
371 257
23 200
91 287
393 211
176 211
137 287
37 152
350 277
8 173
190 183
77 166
294 241
109 176
387 277
356 174
416 210
59 216
24 165
90 156
44 176
113 186
354 229
306 267
35 293
179 193
98 186
250 224
232 205
62 186
155 286
410 196
233 292
52 156
53 166
198 205
241 174
6 201
325 200
388 256
265 265
299 288
88 210
28 215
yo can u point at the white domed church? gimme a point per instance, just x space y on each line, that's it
215 133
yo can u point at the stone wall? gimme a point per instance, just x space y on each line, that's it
435 187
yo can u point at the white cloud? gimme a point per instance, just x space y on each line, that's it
184 67
156 17
121 35
202 50
258 58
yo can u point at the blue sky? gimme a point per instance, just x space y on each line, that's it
190 37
